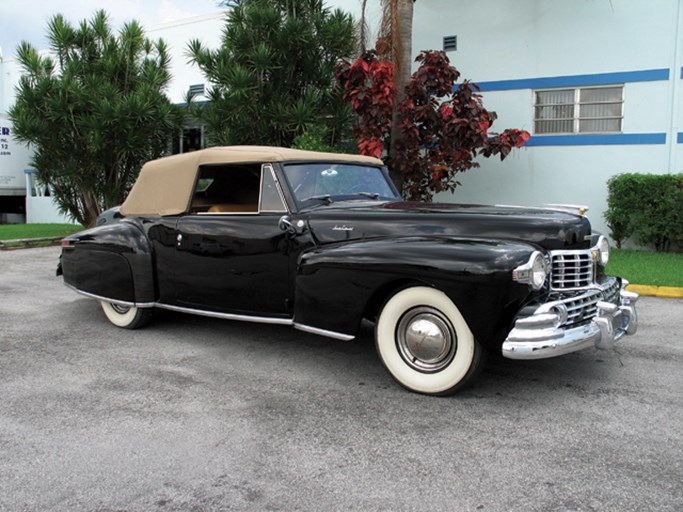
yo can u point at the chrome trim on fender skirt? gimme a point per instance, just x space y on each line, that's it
224 316
112 301
259 320
323 332
227 316
538 336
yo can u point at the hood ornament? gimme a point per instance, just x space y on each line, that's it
570 208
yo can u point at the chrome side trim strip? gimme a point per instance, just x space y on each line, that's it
224 316
227 316
113 301
323 332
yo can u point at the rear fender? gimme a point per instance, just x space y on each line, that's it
112 261
338 285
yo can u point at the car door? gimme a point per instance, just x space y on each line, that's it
230 255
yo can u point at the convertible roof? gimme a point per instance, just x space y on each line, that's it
165 185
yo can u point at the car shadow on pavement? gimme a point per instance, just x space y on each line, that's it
349 362
576 372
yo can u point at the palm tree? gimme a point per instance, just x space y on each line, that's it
396 32
396 35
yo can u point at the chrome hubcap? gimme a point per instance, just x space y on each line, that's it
121 310
426 339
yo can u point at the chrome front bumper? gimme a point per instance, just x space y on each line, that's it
541 334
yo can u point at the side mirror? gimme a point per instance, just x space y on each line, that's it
293 228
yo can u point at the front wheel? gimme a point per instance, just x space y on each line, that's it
425 343
126 317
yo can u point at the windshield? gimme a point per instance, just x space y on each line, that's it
319 183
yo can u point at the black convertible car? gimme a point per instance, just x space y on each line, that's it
322 241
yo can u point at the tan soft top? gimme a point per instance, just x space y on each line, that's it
165 185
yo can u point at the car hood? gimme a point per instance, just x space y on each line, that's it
550 229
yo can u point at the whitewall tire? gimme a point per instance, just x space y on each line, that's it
425 343
126 317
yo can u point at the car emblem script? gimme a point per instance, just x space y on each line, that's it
343 227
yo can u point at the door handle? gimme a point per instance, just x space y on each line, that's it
286 224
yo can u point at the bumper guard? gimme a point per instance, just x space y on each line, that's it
540 336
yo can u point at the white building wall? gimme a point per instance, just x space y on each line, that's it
40 205
500 40
522 43
510 48
43 210
14 158
9 76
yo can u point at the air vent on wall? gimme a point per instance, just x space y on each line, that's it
450 43
197 90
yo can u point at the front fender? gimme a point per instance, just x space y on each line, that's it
113 261
337 285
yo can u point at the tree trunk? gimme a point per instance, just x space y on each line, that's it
91 209
402 30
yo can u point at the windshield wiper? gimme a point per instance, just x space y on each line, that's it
323 197
371 195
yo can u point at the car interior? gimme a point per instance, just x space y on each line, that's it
227 189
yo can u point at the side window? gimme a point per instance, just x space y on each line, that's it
581 110
271 199
227 189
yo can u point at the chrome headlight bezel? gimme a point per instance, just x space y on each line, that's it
534 272
601 251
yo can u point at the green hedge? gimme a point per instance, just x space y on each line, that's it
647 208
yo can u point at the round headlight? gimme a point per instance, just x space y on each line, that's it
539 271
603 251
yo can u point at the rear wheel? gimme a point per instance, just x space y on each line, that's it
425 343
126 317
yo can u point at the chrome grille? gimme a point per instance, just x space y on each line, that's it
582 308
571 269
612 294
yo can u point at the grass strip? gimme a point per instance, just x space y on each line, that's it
19 231
645 267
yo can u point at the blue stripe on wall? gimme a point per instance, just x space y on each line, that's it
680 138
681 72
647 75
602 139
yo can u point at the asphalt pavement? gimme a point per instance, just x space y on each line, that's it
199 414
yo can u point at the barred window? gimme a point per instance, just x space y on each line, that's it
580 110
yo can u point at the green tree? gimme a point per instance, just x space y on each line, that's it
272 78
94 111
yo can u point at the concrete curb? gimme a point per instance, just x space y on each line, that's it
668 292
25 243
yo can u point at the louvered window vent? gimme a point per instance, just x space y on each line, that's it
197 90
450 43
